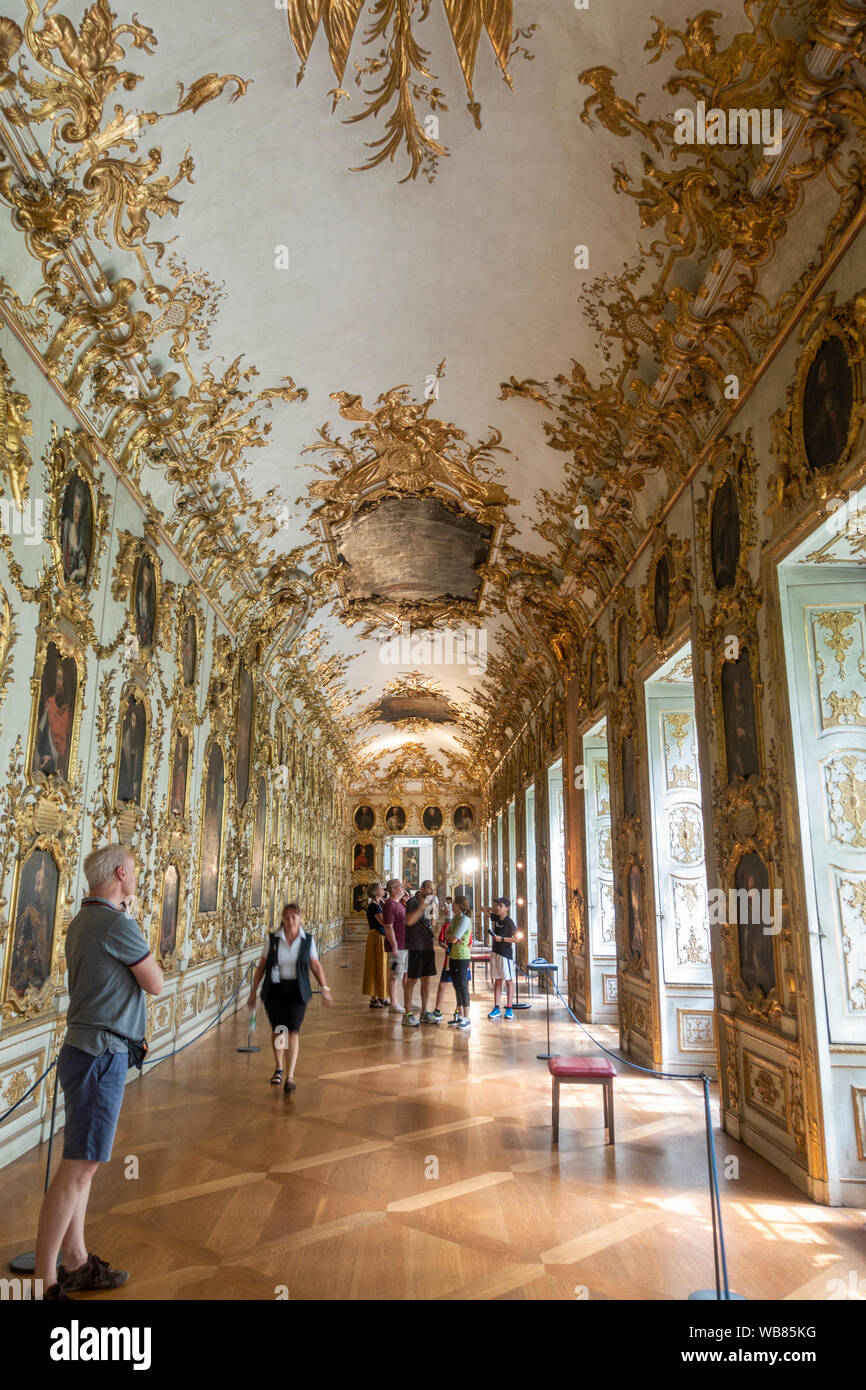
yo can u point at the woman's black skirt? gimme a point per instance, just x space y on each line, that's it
285 1007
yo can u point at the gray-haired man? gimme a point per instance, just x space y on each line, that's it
110 970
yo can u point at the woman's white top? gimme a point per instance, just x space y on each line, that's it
287 957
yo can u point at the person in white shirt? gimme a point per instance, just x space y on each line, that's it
289 957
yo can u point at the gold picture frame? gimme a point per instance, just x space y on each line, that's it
57 648
34 1001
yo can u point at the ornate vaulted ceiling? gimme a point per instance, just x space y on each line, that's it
331 319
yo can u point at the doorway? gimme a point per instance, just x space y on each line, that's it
685 983
409 858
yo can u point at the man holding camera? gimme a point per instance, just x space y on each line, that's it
421 913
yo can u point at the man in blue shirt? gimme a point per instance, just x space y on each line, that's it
110 970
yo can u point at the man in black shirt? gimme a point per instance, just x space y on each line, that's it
421 913
503 931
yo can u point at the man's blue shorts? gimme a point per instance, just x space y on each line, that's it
93 1092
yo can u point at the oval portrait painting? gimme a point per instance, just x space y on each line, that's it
662 596
76 530
828 398
464 818
623 650
725 535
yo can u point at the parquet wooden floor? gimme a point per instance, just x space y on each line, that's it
416 1164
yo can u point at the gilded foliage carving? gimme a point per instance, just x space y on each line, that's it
398 69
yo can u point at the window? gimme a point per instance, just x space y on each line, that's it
557 867
531 912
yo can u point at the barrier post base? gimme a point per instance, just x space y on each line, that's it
26 1263
712 1296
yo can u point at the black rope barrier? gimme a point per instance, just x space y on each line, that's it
25 1263
723 1290
27 1093
150 1061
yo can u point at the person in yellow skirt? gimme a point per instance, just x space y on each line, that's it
375 960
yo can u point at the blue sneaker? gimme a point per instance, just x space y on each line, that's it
495 1013
509 1013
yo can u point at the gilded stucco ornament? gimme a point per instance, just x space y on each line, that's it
15 461
660 620
400 450
44 816
399 67
694 351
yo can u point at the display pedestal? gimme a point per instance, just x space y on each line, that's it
551 969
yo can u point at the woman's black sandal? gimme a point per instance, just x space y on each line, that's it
277 1078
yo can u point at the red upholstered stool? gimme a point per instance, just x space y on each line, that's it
599 1070
479 958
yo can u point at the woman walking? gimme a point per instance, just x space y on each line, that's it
459 957
375 960
288 958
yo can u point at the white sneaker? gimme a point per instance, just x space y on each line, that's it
464 1023
395 1009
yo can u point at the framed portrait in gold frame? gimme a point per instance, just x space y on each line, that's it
145 598
57 695
133 730
168 946
30 966
212 833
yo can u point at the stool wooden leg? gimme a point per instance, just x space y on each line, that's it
556 1110
608 1088
604 1099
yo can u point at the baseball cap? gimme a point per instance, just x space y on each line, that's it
506 902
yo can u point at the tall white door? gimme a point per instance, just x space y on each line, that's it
683 931
531 905
825 640
559 933
600 916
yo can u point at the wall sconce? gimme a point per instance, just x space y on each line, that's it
519 864
521 902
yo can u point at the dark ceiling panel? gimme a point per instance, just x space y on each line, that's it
414 549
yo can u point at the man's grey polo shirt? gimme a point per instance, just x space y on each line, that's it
101 944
